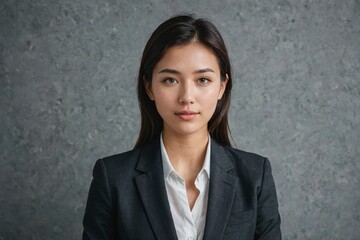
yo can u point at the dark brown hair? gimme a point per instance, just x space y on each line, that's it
180 30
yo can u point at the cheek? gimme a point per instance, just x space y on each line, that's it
210 96
163 101
162 97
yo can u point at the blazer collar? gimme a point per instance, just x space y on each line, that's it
221 192
152 191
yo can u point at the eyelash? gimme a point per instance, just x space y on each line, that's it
201 81
204 79
169 80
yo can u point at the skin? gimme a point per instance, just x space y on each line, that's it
186 87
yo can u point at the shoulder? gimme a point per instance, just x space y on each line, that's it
120 164
248 164
121 159
238 162
251 160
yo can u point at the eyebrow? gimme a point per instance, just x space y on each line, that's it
173 71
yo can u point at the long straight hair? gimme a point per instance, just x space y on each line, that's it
181 30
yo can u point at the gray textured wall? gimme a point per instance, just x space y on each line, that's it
67 85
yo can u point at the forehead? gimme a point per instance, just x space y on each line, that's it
189 57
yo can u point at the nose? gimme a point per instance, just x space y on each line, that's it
186 94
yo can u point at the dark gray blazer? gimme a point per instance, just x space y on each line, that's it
127 197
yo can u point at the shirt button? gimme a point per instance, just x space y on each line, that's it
190 238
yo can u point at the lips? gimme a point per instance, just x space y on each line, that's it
186 115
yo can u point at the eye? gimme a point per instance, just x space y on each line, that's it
204 81
170 80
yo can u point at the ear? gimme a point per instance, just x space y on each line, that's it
223 86
147 85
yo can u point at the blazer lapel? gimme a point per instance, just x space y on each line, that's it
152 191
221 192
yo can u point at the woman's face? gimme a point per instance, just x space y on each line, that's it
186 87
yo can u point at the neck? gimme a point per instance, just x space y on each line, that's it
186 152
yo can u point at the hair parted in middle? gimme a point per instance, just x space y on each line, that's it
182 30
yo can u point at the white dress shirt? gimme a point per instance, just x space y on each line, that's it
189 224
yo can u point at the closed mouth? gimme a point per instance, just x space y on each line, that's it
186 113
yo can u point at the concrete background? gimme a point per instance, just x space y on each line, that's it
67 98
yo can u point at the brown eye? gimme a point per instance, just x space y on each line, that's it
170 80
203 81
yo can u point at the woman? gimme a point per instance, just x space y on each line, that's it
183 180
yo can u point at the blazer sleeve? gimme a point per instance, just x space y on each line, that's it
99 221
268 217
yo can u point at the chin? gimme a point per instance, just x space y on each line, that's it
188 130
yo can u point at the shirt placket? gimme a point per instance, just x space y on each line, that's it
189 225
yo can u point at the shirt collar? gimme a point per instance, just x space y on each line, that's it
168 168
